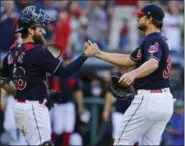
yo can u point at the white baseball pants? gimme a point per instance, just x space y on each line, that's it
33 120
63 118
117 118
146 118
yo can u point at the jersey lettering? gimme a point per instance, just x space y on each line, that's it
20 57
166 73
10 59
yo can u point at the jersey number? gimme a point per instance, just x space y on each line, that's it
166 73
18 78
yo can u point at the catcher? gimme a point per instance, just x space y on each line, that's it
26 65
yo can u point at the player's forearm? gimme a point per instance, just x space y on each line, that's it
116 59
108 102
71 68
79 97
10 89
147 68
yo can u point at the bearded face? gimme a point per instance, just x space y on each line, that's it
142 27
142 23
38 36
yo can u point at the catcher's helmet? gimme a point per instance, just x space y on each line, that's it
32 17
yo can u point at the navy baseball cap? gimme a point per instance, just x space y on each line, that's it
152 10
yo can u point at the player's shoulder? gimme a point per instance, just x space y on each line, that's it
32 47
154 37
41 48
35 48
42 51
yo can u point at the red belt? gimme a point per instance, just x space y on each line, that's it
24 101
156 91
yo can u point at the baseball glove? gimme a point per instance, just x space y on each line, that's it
53 97
119 91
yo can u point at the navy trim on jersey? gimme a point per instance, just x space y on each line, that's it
37 125
130 120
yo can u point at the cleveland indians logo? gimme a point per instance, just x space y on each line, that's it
153 48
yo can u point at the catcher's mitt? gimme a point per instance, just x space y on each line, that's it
121 92
53 97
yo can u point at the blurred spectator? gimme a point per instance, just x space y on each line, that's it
84 6
82 36
105 128
61 5
73 8
11 136
96 88
174 133
21 4
76 13
97 24
123 10
172 26
62 33
50 7
124 41
177 87
140 4
114 109
7 25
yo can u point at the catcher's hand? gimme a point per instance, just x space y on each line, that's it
119 91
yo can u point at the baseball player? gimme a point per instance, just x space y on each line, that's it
9 123
152 106
120 106
26 65
63 124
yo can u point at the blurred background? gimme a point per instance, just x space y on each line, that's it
90 115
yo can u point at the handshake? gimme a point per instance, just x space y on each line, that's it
90 49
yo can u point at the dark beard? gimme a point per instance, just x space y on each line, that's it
39 40
142 28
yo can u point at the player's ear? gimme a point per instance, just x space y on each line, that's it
30 31
150 20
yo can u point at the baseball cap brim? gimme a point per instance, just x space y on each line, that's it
138 12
